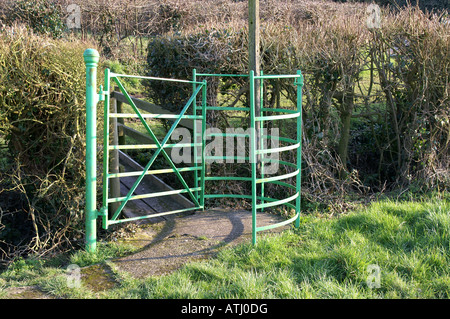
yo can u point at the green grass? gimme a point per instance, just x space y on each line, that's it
325 258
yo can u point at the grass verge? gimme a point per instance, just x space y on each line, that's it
408 241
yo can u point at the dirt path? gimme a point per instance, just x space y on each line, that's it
168 245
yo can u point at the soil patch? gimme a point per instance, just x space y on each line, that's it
97 278
27 292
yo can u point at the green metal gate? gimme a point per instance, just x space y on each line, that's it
197 192
160 146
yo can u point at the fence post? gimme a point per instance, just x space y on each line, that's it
120 131
115 162
91 58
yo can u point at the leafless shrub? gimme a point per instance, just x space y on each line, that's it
339 57
42 122
411 53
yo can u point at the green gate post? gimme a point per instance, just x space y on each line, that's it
298 182
91 58
253 148
194 130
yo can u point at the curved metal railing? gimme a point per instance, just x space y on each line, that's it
258 153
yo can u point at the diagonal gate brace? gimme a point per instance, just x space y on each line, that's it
160 147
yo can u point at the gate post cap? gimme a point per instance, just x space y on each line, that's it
91 56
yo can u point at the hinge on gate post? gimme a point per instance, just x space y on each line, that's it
101 94
102 212
299 81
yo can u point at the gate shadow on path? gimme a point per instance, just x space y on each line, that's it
169 245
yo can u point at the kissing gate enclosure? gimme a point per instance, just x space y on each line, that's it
195 109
